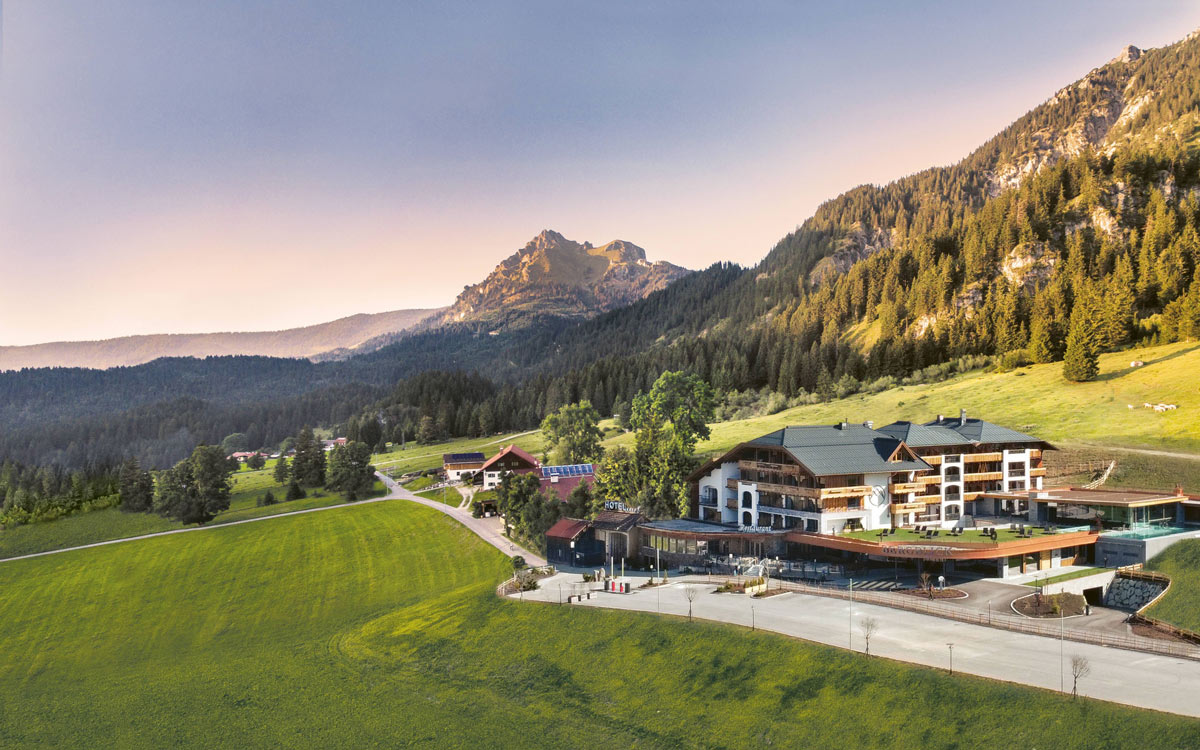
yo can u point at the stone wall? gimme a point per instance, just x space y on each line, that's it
1131 594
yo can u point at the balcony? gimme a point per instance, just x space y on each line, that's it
709 501
898 508
932 460
779 489
930 479
984 476
1038 472
903 488
764 466
833 493
927 499
974 458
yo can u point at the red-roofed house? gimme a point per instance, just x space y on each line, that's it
571 541
511 460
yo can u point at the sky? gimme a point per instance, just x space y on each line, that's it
214 165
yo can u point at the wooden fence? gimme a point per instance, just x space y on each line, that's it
1000 619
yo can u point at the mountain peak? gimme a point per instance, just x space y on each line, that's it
553 275
1128 55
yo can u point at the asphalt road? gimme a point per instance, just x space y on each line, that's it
490 530
1130 677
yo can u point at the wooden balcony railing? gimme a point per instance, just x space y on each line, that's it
764 466
902 488
974 458
984 476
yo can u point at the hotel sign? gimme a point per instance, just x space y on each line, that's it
621 507
755 529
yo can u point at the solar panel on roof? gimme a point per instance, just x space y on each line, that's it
568 470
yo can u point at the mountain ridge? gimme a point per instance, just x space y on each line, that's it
340 335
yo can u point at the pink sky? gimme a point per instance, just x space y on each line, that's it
225 168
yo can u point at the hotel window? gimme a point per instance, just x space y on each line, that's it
854 503
952 458
1016 469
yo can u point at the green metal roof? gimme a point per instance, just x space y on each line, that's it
979 431
924 436
827 450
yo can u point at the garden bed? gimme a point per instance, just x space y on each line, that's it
948 593
1054 605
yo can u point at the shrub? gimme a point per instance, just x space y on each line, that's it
295 491
518 562
268 498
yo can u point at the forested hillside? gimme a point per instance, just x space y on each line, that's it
1073 229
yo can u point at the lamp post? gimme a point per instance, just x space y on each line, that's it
951 646
850 614
1062 680
751 617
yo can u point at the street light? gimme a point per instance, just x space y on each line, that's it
850 614
1062 680
951 646
751 617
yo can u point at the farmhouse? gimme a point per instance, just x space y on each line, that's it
510 460
456 465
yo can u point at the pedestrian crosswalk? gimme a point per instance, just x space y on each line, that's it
878 586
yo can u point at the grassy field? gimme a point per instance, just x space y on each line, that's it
111 523
447 495
1181 605
418 457
376 625
1089 421
1034 398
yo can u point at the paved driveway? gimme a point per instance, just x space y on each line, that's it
490 530
1138 679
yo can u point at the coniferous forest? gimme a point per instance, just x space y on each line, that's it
1090 248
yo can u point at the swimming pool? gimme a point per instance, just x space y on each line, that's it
1149 532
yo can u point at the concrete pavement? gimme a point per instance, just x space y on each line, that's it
1149 681
490 530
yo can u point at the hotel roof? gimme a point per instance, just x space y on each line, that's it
923 436
842 449
979 431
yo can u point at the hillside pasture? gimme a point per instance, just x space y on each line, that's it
112 523
376 625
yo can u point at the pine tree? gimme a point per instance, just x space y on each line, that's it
1081 361
1118 305
282 472
308 467
1041 342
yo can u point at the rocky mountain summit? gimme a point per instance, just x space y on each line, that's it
553 275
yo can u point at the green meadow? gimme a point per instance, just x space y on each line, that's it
1033 398
1085 420
112 523
417 457
376 625
1181 604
